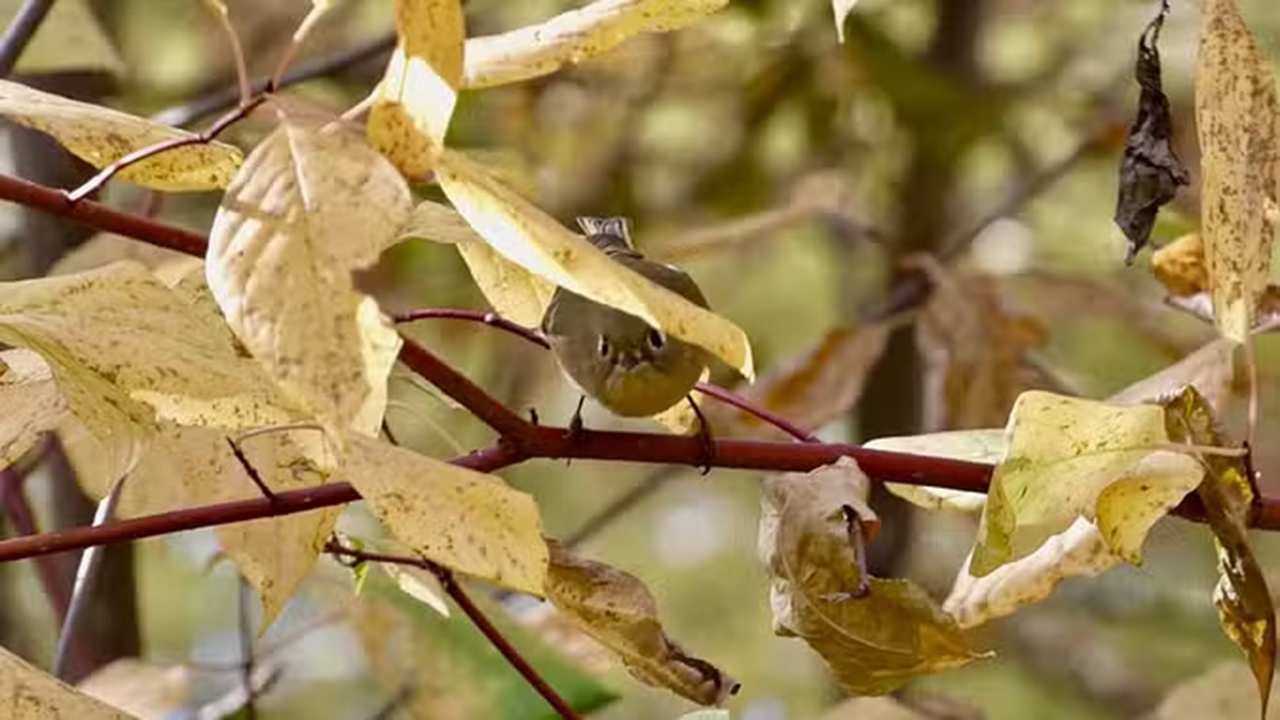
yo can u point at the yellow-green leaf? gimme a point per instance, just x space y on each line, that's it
532 239
1065 455
616 609
26 693
874 642
1245 607
1236 113
310 206
981 446
464 520
574 36
100 136
413 104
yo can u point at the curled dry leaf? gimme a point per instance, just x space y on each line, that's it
1236 113
574 36
981 446
530 238
26 693
1079 551
615 608
1070 458
461 519
146 690
310 205
874 634
1245 607
1151 171
1180 266
414 102
100 136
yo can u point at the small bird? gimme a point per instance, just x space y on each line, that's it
630 367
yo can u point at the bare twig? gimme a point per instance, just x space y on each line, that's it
227 98
477 617
81 591
20 31
93 184
245 597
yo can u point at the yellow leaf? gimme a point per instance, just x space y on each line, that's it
28 694
1210 370
435 221
413 104
1180 266
1079 551
574 36
982 446
310 206
100 136
1063 456
464 520
873 642
530 238
1236 119
30 402
70 38
1245 608
616 609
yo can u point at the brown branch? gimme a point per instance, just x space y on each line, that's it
474 613
93 184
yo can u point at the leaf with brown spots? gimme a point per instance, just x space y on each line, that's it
414 102
1236 113
30 402
26 693
1245 607
616 609
311 205
574 36
461 519
874 634
100 136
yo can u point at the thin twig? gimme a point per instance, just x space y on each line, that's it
93 184
245 596
227 98
81 591
20 31
237 50
455 591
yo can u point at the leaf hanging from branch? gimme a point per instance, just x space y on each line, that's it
1150 172
1236 116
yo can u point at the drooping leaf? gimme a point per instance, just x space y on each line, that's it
449 670
515 293
574 36
146 690
414 102
874 642
101 136
274 554
310 205
1245 608
1210 370
615 608
461 519
529 237
438 222
841 10
1151 171
30 402
1070 458
70 38
1236 118
1079 551
419 585
26 693
982 446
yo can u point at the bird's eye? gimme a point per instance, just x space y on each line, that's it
602 347
656 339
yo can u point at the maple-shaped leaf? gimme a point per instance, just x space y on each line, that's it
874 634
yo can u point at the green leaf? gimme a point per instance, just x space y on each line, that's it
1245 608
981 446
1070 458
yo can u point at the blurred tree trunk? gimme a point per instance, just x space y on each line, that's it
893 401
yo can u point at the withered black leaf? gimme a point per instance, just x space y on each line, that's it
1150 172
